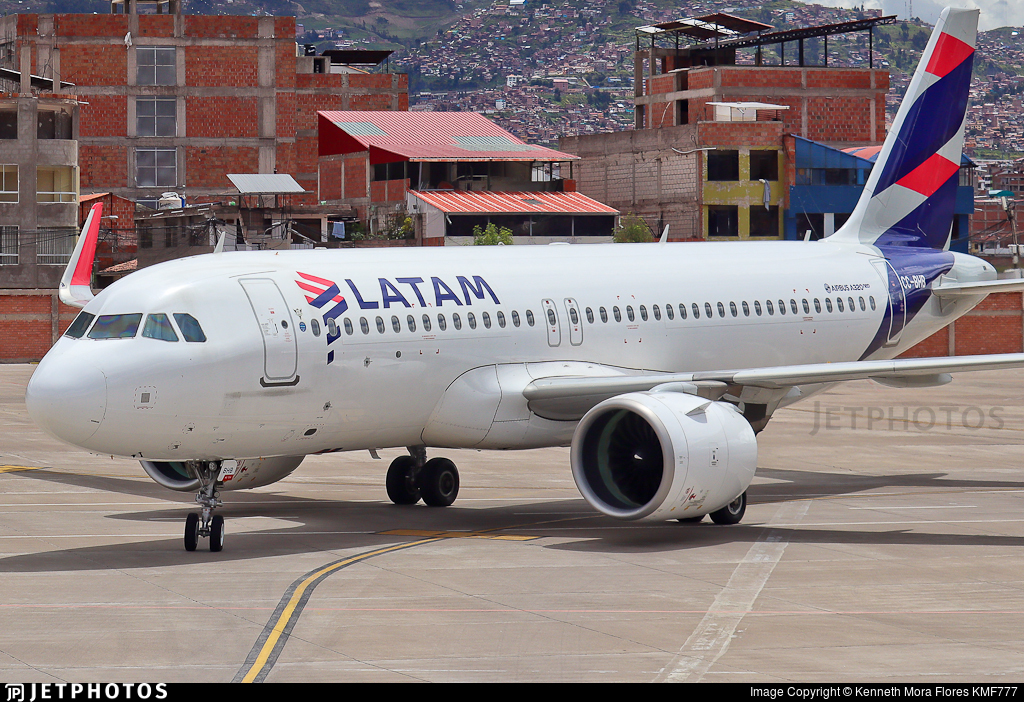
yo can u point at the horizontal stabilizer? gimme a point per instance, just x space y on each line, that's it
984 287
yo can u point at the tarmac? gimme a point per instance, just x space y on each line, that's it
883 542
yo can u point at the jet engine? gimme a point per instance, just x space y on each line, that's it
250 473
662 455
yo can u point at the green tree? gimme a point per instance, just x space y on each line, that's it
632 229
492 235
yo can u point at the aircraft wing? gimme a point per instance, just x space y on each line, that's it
563 396
985 287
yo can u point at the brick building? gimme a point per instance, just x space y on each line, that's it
174 102
709 155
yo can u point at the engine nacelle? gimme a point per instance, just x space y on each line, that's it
251 473
662 455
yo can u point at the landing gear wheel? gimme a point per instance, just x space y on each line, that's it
732 513
691 520
191 531
400 484
217 533
439 482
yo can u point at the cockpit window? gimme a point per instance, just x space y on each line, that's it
189 327
158 326
81 323
115 326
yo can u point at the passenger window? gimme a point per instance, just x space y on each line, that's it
426 322
471 318
552 320
807 307
411 321
707 310
629 313
573 317
486 318
782 307
189 327
828 304
643 313
396 324
456 321
604 314
817 305
682 311
757 307
529 318
768 306
853 307
332 327
315 326
501 319
732 309
696 310
81 323
657 313
746 309
441 323
158 326
872 301
670 313
380 325
616 313
515 318
839 304
364 326
347 323
863 306
590 316
792 306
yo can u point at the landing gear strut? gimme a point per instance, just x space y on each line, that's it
205 524
413 477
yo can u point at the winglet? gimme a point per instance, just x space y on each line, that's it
664 235
219 248
76 283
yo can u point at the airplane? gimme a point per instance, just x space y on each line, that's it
656 363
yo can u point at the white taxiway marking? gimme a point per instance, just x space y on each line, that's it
710 640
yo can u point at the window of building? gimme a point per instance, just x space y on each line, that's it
54 124
156 65
8 183
155 117
723 220
56 184
145 236
8 245
764 165
156 167
723 165
54 245
9 123
764 222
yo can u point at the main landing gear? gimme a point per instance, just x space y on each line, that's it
732 513
413 477
206 524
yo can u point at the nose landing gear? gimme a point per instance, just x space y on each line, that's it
205 524
413 477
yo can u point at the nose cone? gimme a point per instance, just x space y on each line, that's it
67 401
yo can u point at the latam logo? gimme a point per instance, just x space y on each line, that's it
326 295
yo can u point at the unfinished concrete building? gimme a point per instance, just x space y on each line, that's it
709 154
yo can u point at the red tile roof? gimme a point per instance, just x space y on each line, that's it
425 136
511 202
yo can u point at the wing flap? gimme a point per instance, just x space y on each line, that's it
557 391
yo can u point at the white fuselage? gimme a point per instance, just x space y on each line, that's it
261 383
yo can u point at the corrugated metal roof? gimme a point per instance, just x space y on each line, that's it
426 136
511 202
264 183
